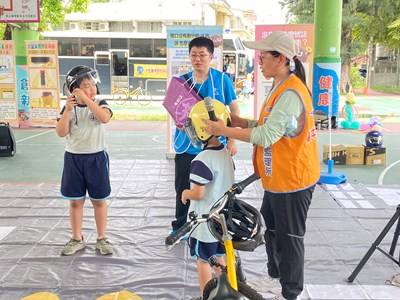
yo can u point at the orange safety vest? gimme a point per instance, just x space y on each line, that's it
290 164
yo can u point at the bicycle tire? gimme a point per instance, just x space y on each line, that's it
143 97
243 288
120 97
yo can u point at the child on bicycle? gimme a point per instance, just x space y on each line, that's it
86 163
211 175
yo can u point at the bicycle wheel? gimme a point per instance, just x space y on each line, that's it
143 97
120 97
243 288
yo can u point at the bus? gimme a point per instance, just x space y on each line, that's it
115 54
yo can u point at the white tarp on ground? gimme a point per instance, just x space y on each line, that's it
34 226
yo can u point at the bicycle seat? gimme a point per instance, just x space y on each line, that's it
224 291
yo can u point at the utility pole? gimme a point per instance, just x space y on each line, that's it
369 65
371 55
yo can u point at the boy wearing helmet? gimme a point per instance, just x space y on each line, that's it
86 163
211 175
208 82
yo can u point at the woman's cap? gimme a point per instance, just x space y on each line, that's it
279 41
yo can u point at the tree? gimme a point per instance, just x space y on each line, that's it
361 20
53 12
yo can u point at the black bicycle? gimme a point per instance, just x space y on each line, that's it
237 225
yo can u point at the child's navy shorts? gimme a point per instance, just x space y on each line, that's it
86 173
205 250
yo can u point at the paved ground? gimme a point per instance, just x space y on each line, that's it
343 222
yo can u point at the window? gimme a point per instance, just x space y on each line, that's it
228 45
242 64
87 26
59 27
103 59
181 23
150 27
148 47
119 43
127 27
68 46
91 26
89 45
121 26
140 47
160 48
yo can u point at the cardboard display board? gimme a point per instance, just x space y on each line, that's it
44 91
8 94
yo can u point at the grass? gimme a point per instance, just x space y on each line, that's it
156 112
386 89
135 112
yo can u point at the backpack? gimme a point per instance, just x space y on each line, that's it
8 146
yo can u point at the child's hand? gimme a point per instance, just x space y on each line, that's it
184 197
80 95
71 102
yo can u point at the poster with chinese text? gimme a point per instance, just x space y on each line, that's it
304 36
44 91
178 61
8 94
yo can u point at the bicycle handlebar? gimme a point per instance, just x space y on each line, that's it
173 238
237 188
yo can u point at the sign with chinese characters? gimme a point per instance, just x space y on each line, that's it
8 95
44 92
325 89
304 36
178 61
19 11
150 71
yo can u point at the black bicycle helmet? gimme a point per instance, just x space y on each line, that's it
76 75
245 225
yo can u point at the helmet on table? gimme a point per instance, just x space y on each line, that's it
199 111
76 75
245 225
374 139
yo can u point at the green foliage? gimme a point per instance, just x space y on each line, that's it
394 34
386 89
2 29
356 80
361 19
54 11
299 11
378 20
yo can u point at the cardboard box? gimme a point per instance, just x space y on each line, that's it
355 154
345 154
375 156
338 154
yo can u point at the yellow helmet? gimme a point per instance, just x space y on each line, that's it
199 111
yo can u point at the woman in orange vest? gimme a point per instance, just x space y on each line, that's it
285 157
